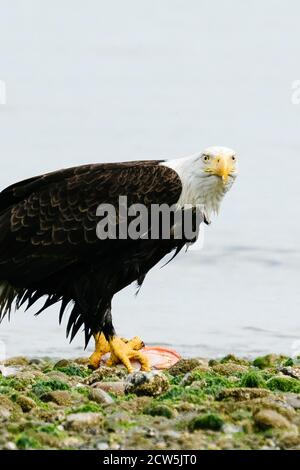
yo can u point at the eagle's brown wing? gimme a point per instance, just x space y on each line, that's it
48 240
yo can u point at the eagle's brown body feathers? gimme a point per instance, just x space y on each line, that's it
49 246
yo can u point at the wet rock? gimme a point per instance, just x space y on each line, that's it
118 388
183 366
266 419
242 394
100 396
291 371
26 403
229 368
146 383
87 421
60 397
17 361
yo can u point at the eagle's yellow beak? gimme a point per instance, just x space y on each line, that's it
221 166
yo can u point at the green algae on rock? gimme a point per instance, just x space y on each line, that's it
208 421
218 404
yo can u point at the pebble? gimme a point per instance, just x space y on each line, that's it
79 421
118 388
100 396
293 400
102 446
10 446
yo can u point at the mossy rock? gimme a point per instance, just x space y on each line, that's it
253 379
74 370
150 384
60 397
284 384
26 403
42 387
107 374
183 366
17 361
242 394
233 359
160 410
210 421
230 368
90 407
25 442
269 361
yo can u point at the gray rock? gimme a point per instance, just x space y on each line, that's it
118 388
102 446
79 421
293 400
100 396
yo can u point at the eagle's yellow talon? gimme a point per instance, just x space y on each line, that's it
121 349
123 352
101 347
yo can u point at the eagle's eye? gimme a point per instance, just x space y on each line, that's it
205 158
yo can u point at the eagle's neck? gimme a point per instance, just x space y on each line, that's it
197 188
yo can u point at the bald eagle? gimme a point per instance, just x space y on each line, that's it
49 245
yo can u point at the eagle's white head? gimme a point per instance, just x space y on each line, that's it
206 177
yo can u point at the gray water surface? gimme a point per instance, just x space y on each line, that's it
107 81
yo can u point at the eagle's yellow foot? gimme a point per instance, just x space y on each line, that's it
122 351
101 347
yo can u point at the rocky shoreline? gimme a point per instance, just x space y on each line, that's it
230 403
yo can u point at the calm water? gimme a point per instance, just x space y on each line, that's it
130 80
